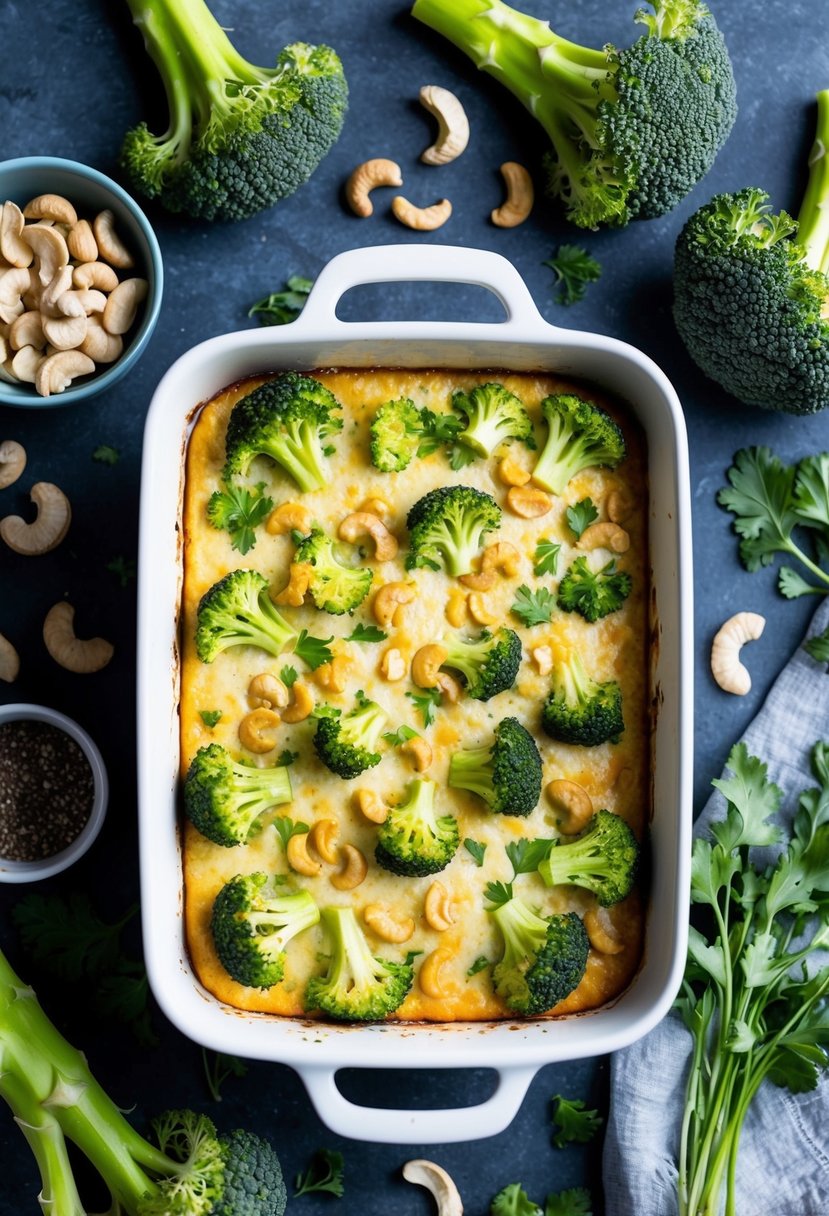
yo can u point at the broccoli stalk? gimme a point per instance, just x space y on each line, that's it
413 840
252 924
506 774
345 743
631 131
493 415
579 436
602 859
447 527
579 709
357 987
544 957
224 797
488 663
55 1098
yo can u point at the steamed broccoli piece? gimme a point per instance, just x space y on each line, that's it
396 430
751 291
240 137
287 418
414 841
356 987
493 415
488 663
345 743
602 859
505 774
237 611
579 709
579 436
544 957
593 593
631 131
224 797
447 527
334 587
252 923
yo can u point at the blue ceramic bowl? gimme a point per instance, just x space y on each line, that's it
89 192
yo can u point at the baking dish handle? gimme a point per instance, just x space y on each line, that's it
421 263
382 1125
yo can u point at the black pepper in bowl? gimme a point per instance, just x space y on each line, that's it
46 790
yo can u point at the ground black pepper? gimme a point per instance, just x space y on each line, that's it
46 790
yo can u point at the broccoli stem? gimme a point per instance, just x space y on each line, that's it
813 220
471 769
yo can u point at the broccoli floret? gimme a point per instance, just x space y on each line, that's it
224 797
579 709
287 418
396 430
413 840
593 593
488 663
506 774
751 291
580 436
240 137
357 986
253 1182
492 415
334 587
602 859
447 527
632 131
252 923
544 957
345 743
237 611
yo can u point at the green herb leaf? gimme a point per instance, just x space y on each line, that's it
811 492
66 935
574 269
286 828
498 892
105 454
526 855
575 1123
403 733
476 850
325 1173
581 515
426 701
546 557
575 1202
313 651
818 646
282 307
286 758
367 633
124 569
217 1068
792 585
460 456
289 676
481 963
438 430
513 1200
210 717
533 607
238 510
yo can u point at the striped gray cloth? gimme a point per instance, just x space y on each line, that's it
783 1167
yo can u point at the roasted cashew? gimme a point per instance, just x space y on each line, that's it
58 285
354 869
81 242
25 364
257 730
266 691
601 931
619 504
376 505
100 346
12 462
456 608
95 274
520 196
50 247
334 674
426 664
453 125
483 580
528 502
65 333
27 330
323 837
365 178
382 921
57 371
422 219
289 517
9 661
501 557
512 473
302 704
81 302
14 249
51 207
82 657
480 611
430 977
573 803
122 305
604 535
361 523
449 687
439 908
389 602
45 533
420 751
14 284
726 667
438 1182
393 666
110 246
298 858
543 659
294 592
370 806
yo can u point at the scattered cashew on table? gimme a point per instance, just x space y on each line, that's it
438 1182
726 667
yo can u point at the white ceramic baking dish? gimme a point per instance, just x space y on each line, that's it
524 341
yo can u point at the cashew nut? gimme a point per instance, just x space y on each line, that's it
389 602
95 274
520 196
512 473
13 284
420 751
422 219
426 664
294 592
60 282
439 908
289 517
453 125
543 659
323 836
81 657
100 346
480 611
81 242
333 674
110 246
9 661
365 178
50 247
27 330
14 249
369 804
57 371
376 506
257 730
430 976
265 690
726 667
503 557
449 687
382 921
65 333
122 305
484 580
12 462
528 502
456 608
393 666
25 364
81 301
51 207
573 804
361 523
618 504
438 1182
301 706
604 536
47 530
603 934
298 858
354 869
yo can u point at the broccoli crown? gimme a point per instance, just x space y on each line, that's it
579 709
345 743
593 593
414 841
579 436
492 415
488 663
334 587
286 418
224 797
447 527
396 430
253 1184
544 957
252 923
631 131
239 137
357 987
603 859
507 774
237 611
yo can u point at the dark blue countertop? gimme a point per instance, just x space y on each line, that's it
76 80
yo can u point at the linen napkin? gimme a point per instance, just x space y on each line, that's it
783 1166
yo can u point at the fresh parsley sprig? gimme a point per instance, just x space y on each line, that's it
575 1124
581 515
574 269
282 307
533 607
325 1173
239 510
545 560
426 701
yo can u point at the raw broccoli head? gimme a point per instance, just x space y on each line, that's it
237 611
492 415
579 709
253 1181
287 418
240 137
602 859
334 587
544 957
345 743
593 594
252 923
447 527
506 774
631 131
356 987
396 430
579 436
488 663
224 797
414 841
